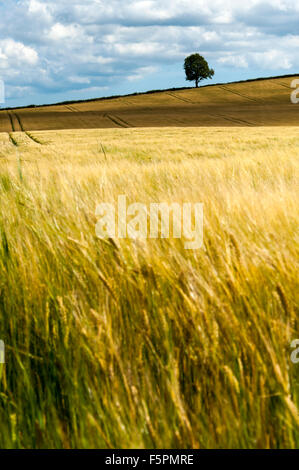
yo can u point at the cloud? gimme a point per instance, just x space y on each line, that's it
60 32
234 60
52 47
271 58
142 72
39 9
17 52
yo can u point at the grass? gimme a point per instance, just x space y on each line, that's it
263 102
132 344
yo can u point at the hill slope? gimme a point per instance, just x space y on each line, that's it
263 102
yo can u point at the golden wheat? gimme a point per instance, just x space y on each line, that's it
122 343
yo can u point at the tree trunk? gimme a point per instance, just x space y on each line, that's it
196 83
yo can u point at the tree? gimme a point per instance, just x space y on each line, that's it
197 69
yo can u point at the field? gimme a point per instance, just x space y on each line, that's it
254 103
133 344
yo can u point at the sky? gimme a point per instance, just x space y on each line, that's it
53 51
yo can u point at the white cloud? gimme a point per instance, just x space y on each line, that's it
53 46
270 59
81 80
142 72
41 9
234 60
59 31
11 50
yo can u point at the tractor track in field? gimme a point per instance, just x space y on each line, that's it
240 94
282 84
11 121
19 121
75 110
181 99
112 117
34 139
235 120
14 117
71 108
118 121
125 122
12 139
13 129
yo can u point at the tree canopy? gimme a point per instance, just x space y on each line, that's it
197 69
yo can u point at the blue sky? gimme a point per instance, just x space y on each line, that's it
60 50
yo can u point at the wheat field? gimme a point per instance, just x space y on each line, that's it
143 344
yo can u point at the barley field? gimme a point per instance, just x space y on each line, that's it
143 344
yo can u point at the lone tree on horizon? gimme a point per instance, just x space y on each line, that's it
197 69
